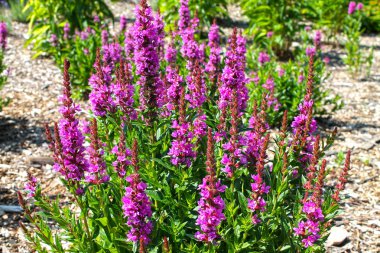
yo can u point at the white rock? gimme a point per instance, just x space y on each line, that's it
337 236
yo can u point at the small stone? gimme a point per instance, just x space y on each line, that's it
337 236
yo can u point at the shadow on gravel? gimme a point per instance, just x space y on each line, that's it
16 133
329 123
335 58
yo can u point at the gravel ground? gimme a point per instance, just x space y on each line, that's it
34 85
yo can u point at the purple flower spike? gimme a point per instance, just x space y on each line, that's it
351 7
317 39
122 154
233 76
96 173
111 54
72 163
174 81
100 97
197 88
66 31
3 35
171 52
104 37
53 40
184 15
263 58
359 6
146 38
30 186
123 23
182 148
310 51
258 187
211 204
137 206
212 67
159 24
124 90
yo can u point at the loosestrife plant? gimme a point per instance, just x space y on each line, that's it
352 32
283 85
174 158
3 67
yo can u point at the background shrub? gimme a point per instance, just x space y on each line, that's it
49 17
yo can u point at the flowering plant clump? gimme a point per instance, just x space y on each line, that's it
283 85
67 30
177 158
3 67
352 32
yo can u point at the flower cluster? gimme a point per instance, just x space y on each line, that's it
309 229
271 99
184 15
124 90
171 52
72 164
3 35
213 63
182 148
233 147
353 6
174 81
318 39
211 204
233 76
146 42
136 205
101 94
258 187
263 58
342 178
304 125
30 186
96 172
197 88
122 154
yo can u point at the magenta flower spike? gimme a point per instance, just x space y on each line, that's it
175 82
73 163
197 87
124 90
212 66
258 187
30 186
123 23
309 229
146 37
101 95
359 6
96 173
184 15
136 205
304 125
66 31
3 35
182 149
233 76
171 51
263 58
122 154
211 204
351 7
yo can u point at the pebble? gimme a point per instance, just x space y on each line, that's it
337 236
